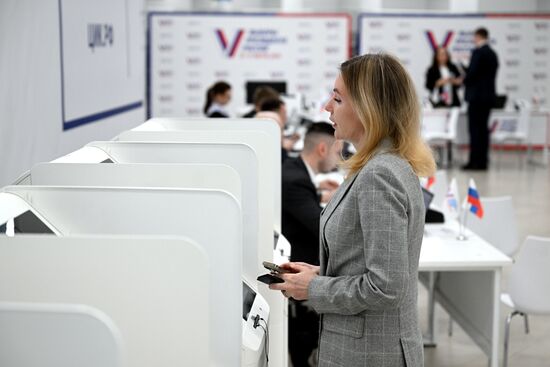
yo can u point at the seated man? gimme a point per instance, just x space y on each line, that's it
301 212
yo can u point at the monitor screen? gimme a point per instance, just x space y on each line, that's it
30 223
248 300
428 197
279 86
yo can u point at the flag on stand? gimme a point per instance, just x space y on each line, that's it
451 198
473 200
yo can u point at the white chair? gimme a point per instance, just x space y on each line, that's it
498 225
528 285
511 129
439 128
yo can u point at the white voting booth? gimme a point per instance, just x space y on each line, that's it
103 301
142 211
263 138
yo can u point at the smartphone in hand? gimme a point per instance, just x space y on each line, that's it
270 279
274 267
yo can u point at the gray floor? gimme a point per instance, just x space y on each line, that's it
529 185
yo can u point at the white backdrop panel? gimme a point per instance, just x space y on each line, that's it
522 43
190 51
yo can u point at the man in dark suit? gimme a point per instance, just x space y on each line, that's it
480 95
301 211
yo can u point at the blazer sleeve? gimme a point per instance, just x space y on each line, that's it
382 205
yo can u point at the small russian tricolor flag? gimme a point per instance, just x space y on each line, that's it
473 199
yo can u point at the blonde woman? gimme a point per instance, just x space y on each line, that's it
371 230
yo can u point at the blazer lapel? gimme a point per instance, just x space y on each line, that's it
340 194
383 147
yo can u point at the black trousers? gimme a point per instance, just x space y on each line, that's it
478 121
303 332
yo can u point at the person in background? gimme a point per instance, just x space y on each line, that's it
278 106
261 93
480 94
217 98
365 288
443 80
301 209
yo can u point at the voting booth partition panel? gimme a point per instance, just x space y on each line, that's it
189 176
169 212
63 298
57 335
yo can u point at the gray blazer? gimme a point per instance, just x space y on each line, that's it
371 233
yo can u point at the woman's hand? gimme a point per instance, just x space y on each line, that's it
297 281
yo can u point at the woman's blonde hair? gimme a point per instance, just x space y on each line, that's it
384 98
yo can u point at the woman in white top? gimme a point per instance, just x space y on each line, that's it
443 80
217 97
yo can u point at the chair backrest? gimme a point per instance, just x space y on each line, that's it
511 125
529 281
452 122
498 225
524 120
435 121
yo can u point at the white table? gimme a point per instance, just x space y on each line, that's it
464 278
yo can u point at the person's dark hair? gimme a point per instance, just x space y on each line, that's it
482 32
216 89
264 92
272 104
315 132
434 59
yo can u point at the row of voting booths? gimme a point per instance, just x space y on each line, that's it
144 250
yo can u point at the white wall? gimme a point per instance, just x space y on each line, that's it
31 123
